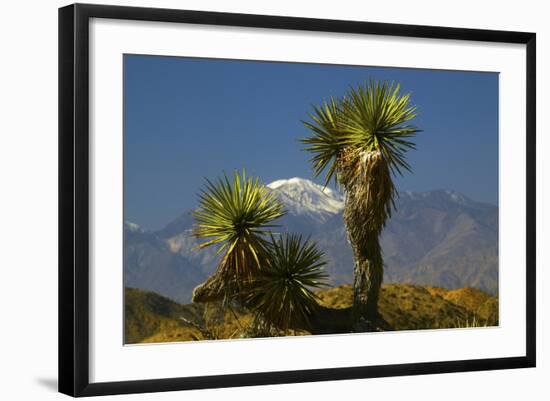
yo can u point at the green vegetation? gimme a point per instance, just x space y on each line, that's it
281 294
361 140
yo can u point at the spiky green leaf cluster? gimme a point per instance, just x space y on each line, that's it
236 215
370 118
282 293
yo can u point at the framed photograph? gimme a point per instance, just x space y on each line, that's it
250 199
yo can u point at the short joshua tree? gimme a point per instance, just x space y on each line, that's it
272 276
236 216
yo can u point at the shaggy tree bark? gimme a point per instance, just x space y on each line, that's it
368 272
369 198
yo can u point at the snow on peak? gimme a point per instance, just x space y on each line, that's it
302 196
133 227
438 195
456 196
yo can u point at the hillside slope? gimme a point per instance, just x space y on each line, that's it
147 313
151 318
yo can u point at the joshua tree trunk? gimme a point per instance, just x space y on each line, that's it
369 196
368 273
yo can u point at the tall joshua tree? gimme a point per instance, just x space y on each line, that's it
360 140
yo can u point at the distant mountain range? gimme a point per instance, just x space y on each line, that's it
438 238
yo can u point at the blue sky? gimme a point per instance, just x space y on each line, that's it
186 119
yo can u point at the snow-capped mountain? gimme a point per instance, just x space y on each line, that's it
304 197
438 237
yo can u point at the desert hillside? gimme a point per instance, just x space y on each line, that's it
151 318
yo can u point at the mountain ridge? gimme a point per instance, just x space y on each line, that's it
438 237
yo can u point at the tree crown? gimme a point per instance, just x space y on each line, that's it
370 118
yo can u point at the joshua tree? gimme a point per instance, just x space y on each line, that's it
281 294
236 216
272 277
361 141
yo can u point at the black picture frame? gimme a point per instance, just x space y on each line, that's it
74 198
